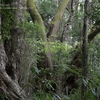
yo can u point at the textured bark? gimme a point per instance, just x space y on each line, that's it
36 17
93 34
8 87
52 34
11 50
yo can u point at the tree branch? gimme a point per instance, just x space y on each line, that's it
57 18
93 34
76 59
37 17
67 23
17 93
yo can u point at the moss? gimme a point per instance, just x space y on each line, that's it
60 10
36 17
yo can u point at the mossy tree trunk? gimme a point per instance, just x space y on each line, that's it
46 62
85 51
53 31
11 49
54 28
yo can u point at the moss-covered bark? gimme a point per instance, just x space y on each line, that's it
37 17
57 18
53 30
11 50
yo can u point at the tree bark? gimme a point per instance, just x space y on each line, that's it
11 49
52 34
46 62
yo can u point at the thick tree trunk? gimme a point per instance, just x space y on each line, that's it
11 49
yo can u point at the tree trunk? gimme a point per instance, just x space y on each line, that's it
85 51
11 49
52 34
45 61
53 30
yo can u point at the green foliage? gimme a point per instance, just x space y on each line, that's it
42 80
95 13
33 30
8 20
2 97
42 96
6 24
47 9
43 76
57 46
6 1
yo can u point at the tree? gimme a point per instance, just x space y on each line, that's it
11 49
85 48
52 72
54 25
36 17
52 32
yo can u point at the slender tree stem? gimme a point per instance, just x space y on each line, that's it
85 50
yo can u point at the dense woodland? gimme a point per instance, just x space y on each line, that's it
49 50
